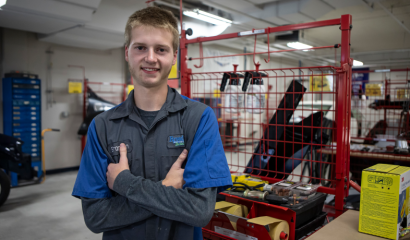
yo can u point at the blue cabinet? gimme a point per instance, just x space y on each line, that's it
22 117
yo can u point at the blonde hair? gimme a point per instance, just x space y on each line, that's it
154 17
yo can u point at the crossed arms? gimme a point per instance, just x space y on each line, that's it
139 199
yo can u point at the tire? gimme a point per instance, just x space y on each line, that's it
4 187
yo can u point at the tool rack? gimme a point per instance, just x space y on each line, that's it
194 85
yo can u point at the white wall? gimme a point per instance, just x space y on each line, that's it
22 52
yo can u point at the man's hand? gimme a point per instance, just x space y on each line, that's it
175 176
114 169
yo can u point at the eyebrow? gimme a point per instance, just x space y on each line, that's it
143 44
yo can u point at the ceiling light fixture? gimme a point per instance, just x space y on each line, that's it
299 45
2 3
357 63
382 70
207 17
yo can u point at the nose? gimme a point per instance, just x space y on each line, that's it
151 58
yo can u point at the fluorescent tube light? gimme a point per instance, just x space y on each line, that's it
298 45
357 63
382 70
207 17
2 3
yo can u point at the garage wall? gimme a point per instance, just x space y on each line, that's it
22 52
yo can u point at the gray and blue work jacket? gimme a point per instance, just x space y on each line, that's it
140 207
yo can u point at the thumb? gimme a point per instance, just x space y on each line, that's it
123 154
178 163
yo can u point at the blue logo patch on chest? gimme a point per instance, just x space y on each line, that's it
176 141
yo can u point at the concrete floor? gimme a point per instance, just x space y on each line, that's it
44 211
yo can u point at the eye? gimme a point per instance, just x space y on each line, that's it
161 50
140 48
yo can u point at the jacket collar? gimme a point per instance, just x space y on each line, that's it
173 103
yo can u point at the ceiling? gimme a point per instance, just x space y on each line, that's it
380 34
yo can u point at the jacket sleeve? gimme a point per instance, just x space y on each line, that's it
208 174
190 206
106 214
102 210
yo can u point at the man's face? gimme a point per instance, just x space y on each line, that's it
150 56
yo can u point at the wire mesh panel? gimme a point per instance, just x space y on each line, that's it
276 122
280 123
380 119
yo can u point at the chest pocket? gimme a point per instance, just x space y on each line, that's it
114 149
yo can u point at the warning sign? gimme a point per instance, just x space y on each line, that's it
321 83
75 86
402 94
374 90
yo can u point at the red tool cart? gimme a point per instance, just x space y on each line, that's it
303 109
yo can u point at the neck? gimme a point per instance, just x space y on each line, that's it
150 99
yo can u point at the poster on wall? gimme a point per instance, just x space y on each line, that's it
75 86
360 77
321 83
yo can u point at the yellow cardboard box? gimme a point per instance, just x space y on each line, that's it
384 200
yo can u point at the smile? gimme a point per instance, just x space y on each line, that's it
150 69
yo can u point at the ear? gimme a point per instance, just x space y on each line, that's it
175 57
126 53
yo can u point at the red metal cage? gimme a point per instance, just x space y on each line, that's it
305 110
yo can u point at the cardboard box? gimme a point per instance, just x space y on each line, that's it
384 200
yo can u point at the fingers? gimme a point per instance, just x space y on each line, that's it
123 152
123 155
181 159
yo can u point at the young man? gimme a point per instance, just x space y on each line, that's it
153 165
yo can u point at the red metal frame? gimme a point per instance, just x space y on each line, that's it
342 80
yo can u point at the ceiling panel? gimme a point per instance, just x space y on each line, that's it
290 12
314 8
32 23
55 9
263 1
87 3
239 5
86 37
344 3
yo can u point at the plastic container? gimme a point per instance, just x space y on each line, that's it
304 189
283 188
233 96
255 97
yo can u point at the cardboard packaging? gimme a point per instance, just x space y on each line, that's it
384 200
277 229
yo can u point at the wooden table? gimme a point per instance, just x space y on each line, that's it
346 226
